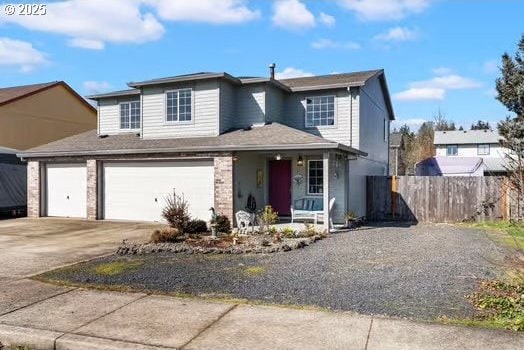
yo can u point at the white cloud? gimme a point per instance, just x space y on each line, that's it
292 72
331 44
380 10
398 34
490 67
413 123
442 71
326 19
491 93
292 14
207 11
20 54
91 24
447 82
95 87
420 94
436 88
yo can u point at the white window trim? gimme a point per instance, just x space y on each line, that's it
483 144
120 115
307 172
177 122
452 155
335 119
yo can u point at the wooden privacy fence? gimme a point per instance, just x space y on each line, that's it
437 198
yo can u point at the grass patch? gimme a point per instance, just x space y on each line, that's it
117 267
254 270
510 234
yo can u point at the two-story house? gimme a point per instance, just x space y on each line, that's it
465 153
219 140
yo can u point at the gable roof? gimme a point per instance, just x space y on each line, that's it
437 166
272 136
459 137
331 80
15 93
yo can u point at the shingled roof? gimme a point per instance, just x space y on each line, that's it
272 136
344 79
15 93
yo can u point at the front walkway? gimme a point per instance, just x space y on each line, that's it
44 316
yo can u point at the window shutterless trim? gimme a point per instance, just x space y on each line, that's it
178 121
479 145
308 177
129 121
334 125
448 147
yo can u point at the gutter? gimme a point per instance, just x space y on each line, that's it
283 147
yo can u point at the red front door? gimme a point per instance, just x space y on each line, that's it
280 186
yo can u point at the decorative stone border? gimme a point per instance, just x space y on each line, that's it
285 245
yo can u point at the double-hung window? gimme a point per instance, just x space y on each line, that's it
320 111
315 177
452 150
483 149
130 115
178 105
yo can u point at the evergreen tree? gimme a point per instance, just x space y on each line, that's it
510 89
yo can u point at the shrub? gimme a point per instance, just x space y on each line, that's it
195 226
176 212
223 224
310 230
165 235
288 232
267 217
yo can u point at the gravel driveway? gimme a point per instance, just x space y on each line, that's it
421 272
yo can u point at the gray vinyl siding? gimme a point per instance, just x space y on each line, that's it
205 100
294 115
373 112
109 116
227 106
274 104
250 106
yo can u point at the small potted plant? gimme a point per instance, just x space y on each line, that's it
350 217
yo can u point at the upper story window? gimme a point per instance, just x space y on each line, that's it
130 115
315 179
320 111
452 150
483 149
178 105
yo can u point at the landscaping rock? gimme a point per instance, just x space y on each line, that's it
257 244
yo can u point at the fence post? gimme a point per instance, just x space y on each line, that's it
394 189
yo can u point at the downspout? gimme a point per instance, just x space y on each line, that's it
350 118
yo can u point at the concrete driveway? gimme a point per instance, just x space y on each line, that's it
30 246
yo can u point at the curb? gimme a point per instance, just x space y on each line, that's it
36 339
39 339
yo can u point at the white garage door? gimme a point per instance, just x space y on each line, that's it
137 190
66 190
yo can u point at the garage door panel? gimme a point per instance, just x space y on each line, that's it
138 190
66 190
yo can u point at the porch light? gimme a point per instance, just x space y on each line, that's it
278 157
300 161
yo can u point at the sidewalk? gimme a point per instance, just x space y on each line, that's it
49 317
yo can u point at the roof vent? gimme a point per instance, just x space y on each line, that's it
272 71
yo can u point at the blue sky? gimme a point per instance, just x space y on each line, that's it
437 54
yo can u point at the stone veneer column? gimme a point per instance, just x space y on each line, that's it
224 185
33 189
92 189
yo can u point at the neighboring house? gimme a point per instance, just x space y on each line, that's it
465 153
217 140
33 115
13 182
397 151
30 116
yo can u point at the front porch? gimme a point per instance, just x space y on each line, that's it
280 178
